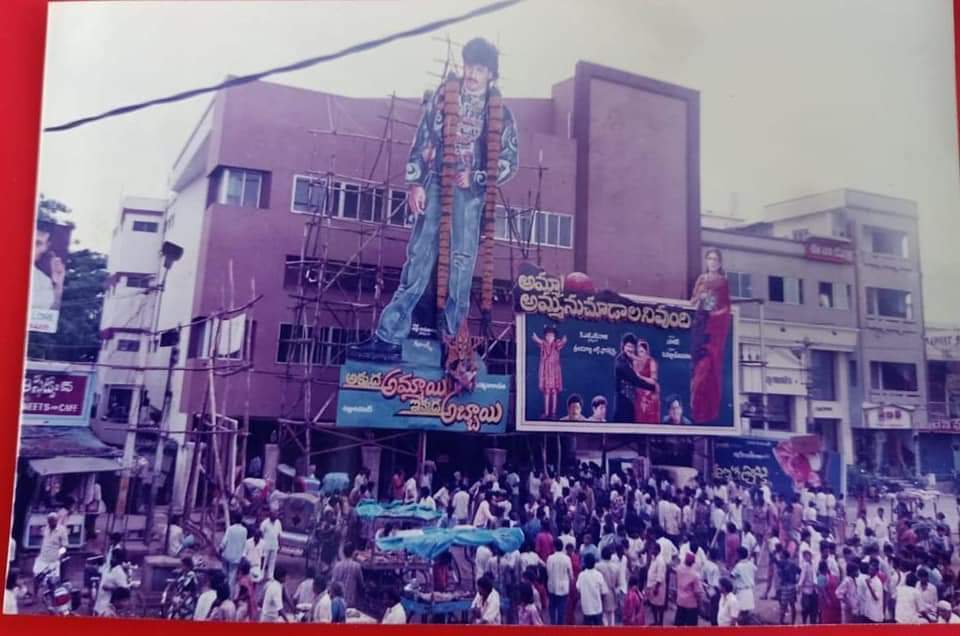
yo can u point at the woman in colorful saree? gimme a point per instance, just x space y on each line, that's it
711 324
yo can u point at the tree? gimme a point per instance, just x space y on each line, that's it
51 211
78 331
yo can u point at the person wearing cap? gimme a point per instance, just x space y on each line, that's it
946 615
54 537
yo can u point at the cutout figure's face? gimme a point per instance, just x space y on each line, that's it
476 77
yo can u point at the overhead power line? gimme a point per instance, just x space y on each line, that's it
296 66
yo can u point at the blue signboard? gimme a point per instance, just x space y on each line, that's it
419 397
781 463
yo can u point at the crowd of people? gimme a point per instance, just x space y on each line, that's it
616 550
598 549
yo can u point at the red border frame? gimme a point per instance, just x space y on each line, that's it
22 37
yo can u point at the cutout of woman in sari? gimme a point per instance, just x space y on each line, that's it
711 324
646 406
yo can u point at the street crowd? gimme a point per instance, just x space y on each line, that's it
598 549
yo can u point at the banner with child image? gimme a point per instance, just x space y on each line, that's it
600 362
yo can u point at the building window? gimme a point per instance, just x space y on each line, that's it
241 188
776 416
140 281
119 400
128 345
196 345
823 385
893 376
740 285
398 213
834 295
548 229
784 289
145 226
852 374
937 371
887 242
889 303
329 348
309 194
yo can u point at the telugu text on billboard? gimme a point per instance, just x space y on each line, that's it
601 362
419 397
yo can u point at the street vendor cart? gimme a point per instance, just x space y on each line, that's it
429 544
390 569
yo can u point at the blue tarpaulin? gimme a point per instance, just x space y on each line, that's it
432 542
335 483
397 510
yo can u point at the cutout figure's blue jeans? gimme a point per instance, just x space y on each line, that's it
422 252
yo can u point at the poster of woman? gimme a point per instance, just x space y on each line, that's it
711 326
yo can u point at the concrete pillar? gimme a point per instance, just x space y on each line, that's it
370 459
271 458
181 475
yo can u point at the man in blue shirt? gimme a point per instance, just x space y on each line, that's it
231 549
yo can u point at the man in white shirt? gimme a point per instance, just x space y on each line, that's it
749 541
483 516
426 500
395 614
322 611
881 527
559 573
592 587
54 537
810 513
728 612
700 557
410 490
767 493
442 497
873 597
860 526
820 500
481 562
671 520
908 607
270 531
201 611
114 579
735 513
461 506
928 593
668 549
486 604
273 597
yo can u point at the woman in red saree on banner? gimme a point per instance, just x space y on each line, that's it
647 404
711 324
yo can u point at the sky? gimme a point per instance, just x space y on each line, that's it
796 97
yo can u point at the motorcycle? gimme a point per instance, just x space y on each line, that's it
58 596
179 598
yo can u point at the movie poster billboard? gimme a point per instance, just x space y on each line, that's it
606 363
785 464
51 244
419 397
